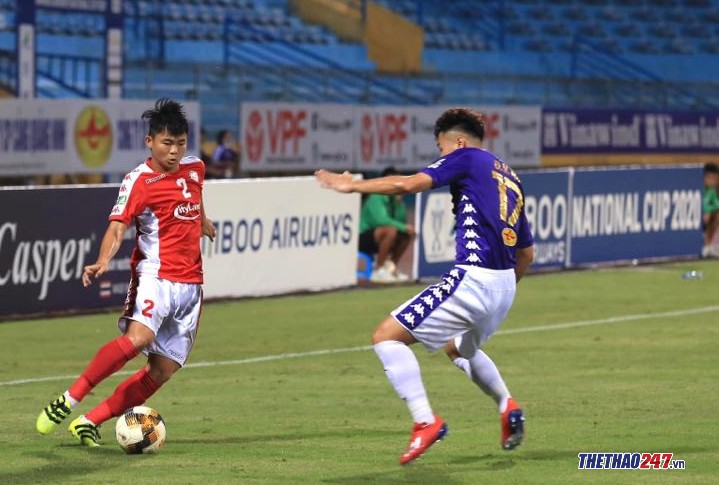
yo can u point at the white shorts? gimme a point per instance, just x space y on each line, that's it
467 305
170 309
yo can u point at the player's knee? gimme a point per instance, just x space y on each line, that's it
140 335
382 333
161 370
140 341
160 376
386 232
377 336
389 329
451 351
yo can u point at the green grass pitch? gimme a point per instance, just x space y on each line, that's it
287 390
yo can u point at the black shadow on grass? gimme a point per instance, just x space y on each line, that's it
266 438
415 473
58 469
487 462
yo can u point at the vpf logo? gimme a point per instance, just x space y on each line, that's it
93 136
254 137
491 129
367 138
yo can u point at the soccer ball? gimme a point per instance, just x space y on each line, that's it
140 430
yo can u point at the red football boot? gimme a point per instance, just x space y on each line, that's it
423 436
512 426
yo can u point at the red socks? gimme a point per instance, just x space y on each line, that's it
134 391
109 359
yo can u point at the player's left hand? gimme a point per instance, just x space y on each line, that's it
331 180
209 229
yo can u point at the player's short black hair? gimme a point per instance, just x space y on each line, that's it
168 115
464 120
711 168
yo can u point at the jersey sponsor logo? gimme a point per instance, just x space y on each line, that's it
93 136
155 179
187 211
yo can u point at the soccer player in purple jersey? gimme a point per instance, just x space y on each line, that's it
494 249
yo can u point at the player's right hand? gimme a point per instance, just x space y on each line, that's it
92 271
341 182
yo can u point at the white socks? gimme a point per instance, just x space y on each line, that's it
484 373
70 400
402 370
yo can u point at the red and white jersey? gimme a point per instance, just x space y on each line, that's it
166 208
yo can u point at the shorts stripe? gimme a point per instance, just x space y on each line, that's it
131 299
417 310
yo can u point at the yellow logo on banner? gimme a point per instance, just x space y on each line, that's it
93 136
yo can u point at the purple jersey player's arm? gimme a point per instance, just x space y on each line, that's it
524 256
390 185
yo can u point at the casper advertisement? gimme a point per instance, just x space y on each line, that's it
45 242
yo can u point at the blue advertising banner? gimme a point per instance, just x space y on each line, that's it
47 236
604 131
546 203
582 217
435 246
635 214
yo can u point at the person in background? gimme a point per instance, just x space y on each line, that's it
710 209
162 197
225 158
458 314
385 233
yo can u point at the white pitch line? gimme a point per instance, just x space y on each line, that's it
294 355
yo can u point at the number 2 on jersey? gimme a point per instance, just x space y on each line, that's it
504 183
147 309
183 183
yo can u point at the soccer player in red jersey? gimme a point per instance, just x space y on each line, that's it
163 198
494 247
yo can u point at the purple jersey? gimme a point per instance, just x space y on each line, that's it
488 205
